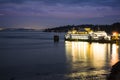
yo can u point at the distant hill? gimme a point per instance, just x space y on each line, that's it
18 29
108 28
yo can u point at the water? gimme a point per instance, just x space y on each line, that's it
35 56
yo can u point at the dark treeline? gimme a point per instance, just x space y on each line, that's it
108 28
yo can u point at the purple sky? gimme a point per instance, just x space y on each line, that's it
52 13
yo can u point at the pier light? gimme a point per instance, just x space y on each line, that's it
115 34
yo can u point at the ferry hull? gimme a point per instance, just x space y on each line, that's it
99 41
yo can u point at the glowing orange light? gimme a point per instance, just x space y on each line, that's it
115 33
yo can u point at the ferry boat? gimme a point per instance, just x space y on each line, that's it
86 34
81 34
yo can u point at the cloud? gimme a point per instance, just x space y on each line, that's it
59 9
22 13
1 14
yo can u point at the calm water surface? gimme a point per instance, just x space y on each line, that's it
26 55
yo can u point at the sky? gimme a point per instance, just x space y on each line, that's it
53 13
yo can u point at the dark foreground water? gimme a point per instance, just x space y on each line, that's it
35 56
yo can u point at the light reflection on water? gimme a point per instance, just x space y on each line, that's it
96 56
115 54
24 54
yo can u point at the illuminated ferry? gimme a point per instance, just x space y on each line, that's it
86 34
